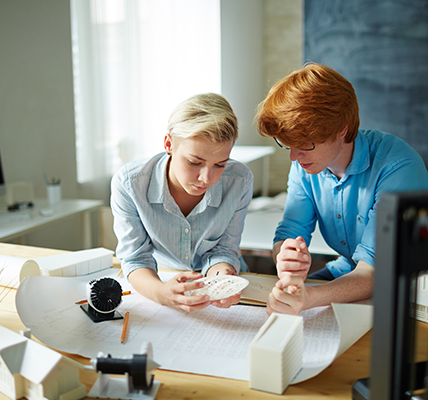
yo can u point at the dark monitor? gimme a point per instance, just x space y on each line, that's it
2 182
397 372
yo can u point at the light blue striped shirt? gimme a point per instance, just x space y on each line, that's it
346 209
152 230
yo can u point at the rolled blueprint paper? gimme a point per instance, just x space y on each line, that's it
14 269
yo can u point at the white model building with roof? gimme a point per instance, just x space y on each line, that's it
29 369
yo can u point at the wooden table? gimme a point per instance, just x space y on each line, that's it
335 382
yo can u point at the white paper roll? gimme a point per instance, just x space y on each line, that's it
14 269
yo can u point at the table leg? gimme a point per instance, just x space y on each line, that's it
23 240
86 230
265 184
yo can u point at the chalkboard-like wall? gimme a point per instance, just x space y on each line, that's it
381 47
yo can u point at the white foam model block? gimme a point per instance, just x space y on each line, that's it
276 353
76 263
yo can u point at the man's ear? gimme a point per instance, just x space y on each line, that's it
343 132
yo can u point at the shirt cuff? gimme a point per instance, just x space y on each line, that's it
128 268
339 267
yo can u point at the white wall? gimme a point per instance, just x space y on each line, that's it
36 104
242 68
259 38
283 53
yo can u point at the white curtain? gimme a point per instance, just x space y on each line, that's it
134 61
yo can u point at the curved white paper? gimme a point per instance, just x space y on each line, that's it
219 286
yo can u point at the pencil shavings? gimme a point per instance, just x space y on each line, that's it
219 287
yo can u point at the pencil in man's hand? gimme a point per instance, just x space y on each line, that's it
125 328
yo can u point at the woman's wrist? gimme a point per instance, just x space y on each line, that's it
221 269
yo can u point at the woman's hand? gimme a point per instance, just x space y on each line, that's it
172 293
224 269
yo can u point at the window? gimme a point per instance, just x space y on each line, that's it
133 62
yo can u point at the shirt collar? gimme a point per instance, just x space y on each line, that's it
360 158
158 181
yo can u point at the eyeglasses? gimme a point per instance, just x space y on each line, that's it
288 148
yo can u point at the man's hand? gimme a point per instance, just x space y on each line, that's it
288 296
293 257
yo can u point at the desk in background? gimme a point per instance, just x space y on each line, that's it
335 382
260 225
60 212
246 154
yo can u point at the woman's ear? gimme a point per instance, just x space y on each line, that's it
167 144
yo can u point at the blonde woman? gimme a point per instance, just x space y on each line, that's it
184 209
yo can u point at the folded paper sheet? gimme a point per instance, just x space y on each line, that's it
213 341
328 332
258 289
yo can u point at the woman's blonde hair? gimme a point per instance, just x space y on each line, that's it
312 104
207 114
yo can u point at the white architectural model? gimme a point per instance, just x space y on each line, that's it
29 369
76 263
276 353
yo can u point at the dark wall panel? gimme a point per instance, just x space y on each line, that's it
381 47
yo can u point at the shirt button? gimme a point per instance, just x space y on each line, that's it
338 188
186 257
186 230
343 242
359 219
338 216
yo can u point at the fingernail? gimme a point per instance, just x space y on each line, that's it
305 257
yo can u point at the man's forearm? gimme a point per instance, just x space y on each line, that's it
354 286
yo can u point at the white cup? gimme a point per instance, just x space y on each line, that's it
54 194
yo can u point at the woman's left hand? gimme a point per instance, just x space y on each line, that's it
224 269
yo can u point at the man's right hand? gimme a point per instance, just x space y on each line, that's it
292 256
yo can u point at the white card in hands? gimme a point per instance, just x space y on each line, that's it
219 286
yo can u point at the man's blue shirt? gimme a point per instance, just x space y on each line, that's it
152 230
346 208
